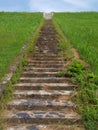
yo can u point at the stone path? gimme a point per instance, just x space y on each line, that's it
41 99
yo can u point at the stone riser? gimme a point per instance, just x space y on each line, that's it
39 104
46 40
46 65
52 55
44 80
45 58
46 127
28 74
41 117
24 87
39 69
44 62
36 96
41 121
39 107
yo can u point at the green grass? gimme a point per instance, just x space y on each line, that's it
8 92
82 31
15 31
86 99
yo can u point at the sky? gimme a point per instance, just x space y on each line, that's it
48 5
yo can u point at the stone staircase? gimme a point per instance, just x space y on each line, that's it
41 98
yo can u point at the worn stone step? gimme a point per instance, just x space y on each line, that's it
42 94
46 117
45 58
46 65
41 104
39 74
46 55
44 86
37 54
52 55
44 80
46 51
45 127
47 39
45 62
40 69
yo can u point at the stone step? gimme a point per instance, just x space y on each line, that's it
40 69
47 38
45 127
45 58
44 86
45 117
42 94
39 74
45 51
45 62
44 80
45 55
40 55
45 65
39 104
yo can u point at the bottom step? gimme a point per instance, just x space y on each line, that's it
44 117
46 127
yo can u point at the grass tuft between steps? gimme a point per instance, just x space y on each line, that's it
86 96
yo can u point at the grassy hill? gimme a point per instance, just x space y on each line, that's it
82 31
15 30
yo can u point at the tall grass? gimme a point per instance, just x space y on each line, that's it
15 30
82 31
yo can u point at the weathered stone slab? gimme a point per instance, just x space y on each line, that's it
44 80
41 104
43 116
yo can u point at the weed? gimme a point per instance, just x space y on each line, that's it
75 69
91 117
86 98
60 74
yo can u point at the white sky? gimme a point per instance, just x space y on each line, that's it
49 5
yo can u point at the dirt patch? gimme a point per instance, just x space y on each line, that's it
77 56
75 53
